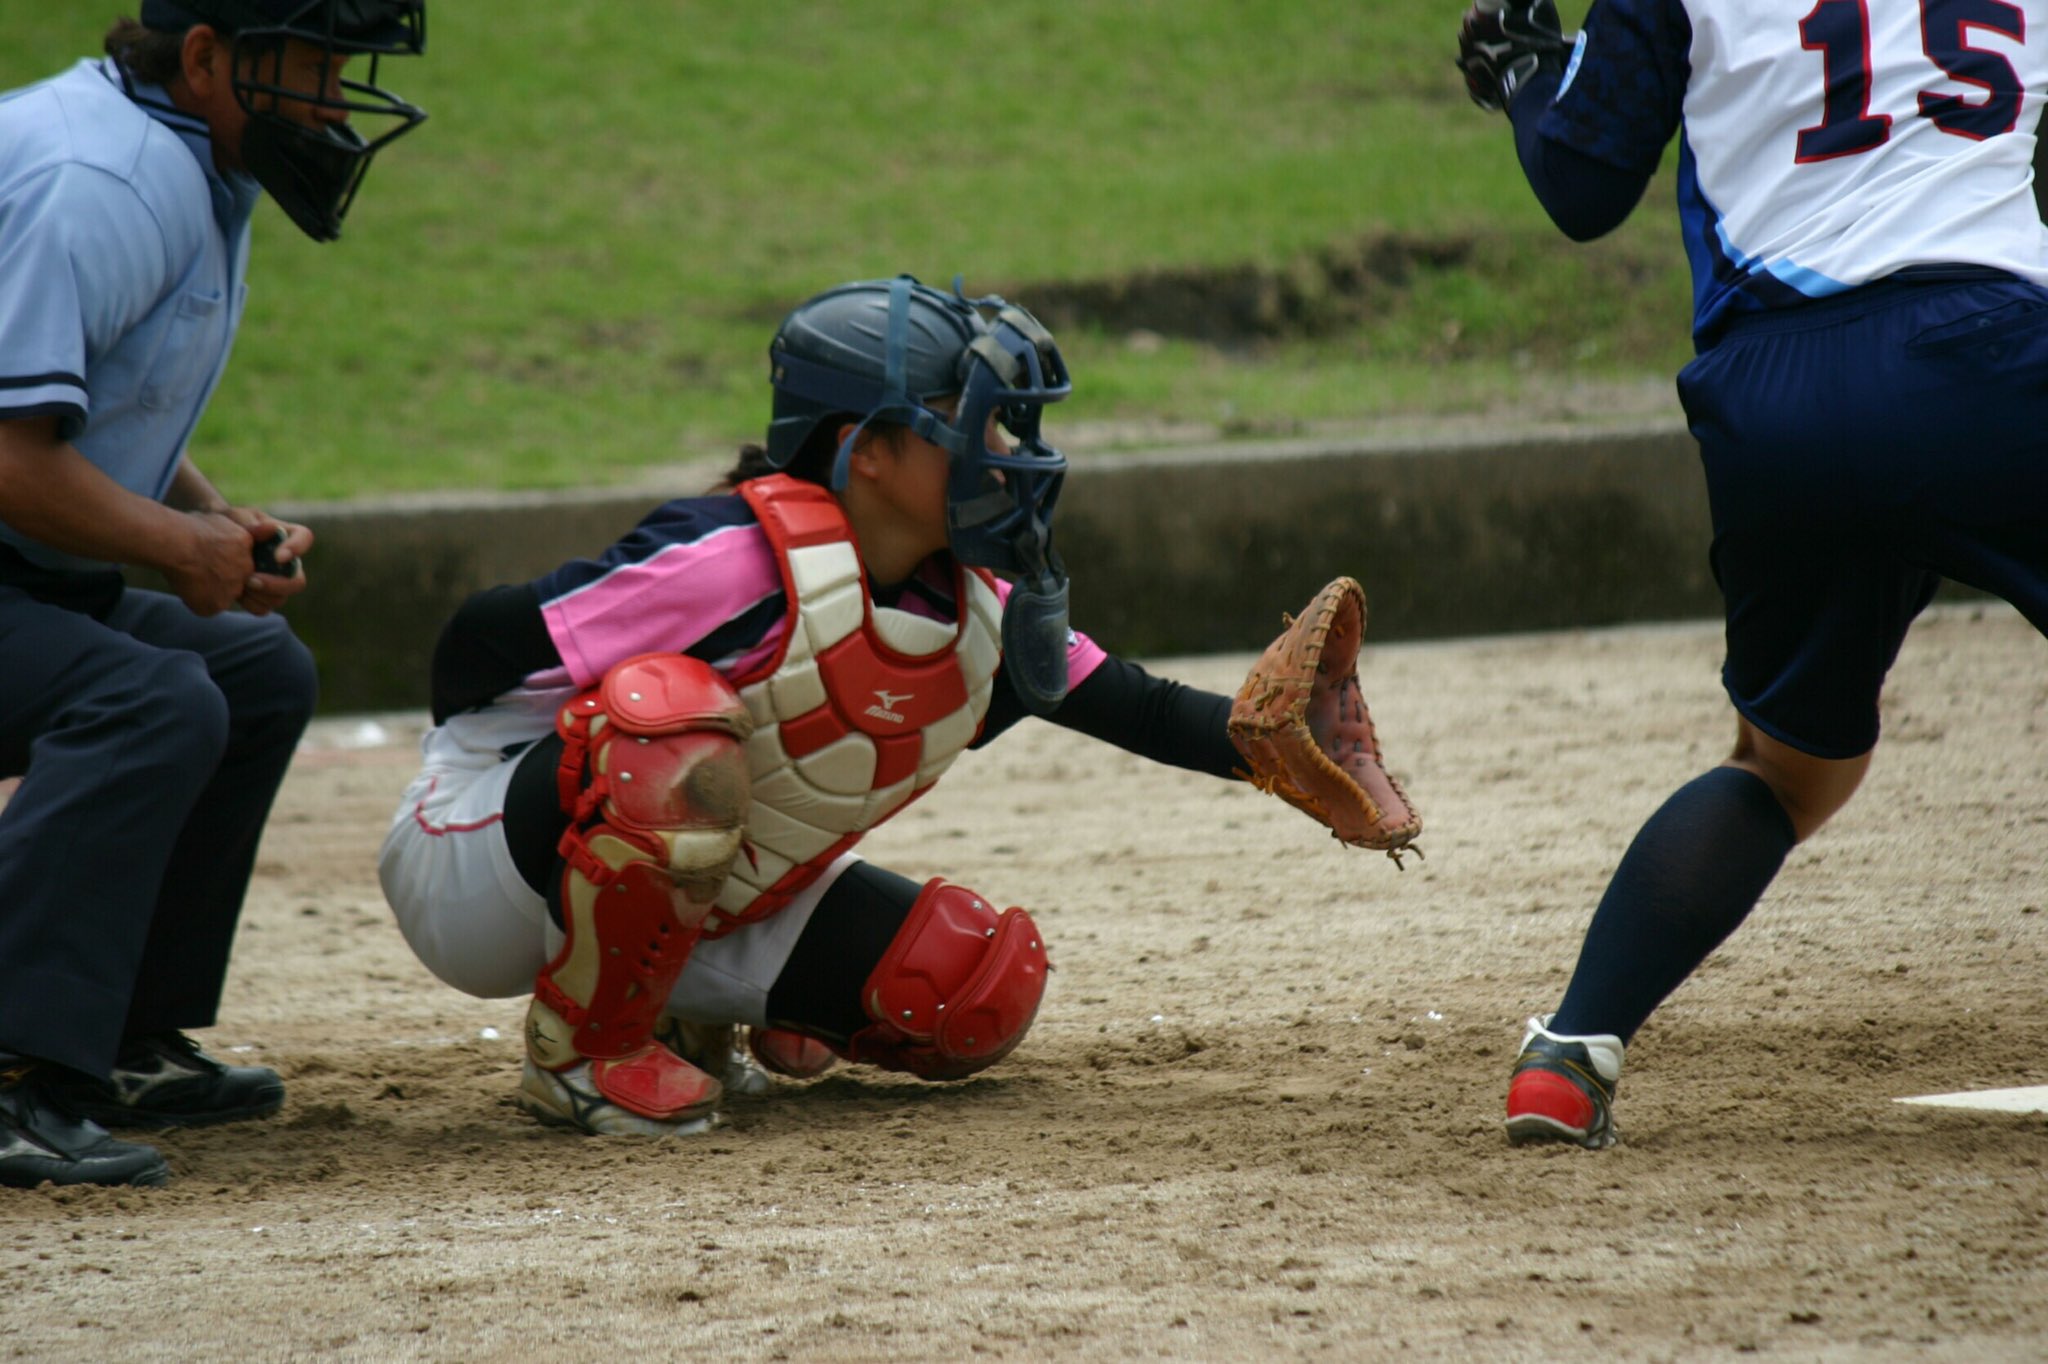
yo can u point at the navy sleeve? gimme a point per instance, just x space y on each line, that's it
1586 197
681 522
492 643
1590 140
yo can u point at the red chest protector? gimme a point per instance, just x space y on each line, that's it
859 712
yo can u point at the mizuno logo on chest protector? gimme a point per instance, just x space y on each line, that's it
886 703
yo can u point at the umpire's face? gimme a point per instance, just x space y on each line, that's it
271 74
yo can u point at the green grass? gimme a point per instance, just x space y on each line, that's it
572 271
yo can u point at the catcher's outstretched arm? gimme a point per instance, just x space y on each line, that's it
1154 717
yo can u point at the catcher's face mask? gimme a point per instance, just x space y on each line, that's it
999 503
311 160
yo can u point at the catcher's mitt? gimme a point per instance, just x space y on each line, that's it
1301 723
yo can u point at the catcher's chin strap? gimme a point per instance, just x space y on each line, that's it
654 779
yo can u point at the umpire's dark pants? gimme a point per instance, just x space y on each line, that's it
151 743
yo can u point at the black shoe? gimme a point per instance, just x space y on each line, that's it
40 1140
164 1080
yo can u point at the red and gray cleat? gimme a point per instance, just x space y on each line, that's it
746 1060
788 1052
652 1093
716 1049
1563 1088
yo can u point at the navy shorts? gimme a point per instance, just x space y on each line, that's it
1857 451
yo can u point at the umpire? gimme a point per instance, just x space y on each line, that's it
151 730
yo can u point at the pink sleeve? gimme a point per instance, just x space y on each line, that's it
666 602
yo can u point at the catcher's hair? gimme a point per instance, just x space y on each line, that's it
148 55
813 461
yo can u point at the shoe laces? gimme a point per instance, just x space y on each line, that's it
174 1047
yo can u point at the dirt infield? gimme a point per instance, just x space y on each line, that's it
1258 1116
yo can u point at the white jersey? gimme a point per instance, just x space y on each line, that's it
1825 144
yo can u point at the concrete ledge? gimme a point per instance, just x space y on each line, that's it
1179 551
1200 551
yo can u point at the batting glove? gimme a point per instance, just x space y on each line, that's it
1500 46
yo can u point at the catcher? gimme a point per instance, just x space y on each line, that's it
649 770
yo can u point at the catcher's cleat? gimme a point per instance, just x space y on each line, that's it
716 1049
1563 1087
788 1052
669 1097
165 1080
42 1141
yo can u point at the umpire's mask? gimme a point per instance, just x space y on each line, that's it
313 172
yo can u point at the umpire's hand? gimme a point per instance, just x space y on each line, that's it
278 554
218 568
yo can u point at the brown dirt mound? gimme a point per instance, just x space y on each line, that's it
1258 1116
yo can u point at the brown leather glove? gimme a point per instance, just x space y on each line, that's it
1301 723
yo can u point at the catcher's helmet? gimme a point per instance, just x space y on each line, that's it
312 172
880 350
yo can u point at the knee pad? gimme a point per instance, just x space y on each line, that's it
655 756
654 779
957 989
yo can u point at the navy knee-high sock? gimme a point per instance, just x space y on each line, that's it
1693 873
